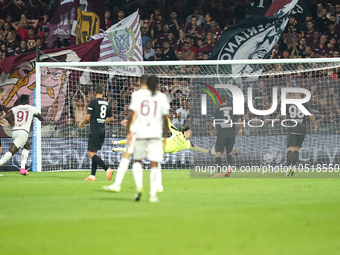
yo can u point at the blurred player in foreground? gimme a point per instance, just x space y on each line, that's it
124 162
149 110
22 115
99 113
296 134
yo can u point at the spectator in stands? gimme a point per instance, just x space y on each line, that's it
23 47
206 24
163 36
299 50
322 21
183 111
200 49
209 42
39 44
194 30
337 26
199 18
179 55
158 54
309 31
336 54
22 29
331 45
61 43
11 43
149 31
80 110
206 55
149 51
155 18
330 31
308 52
173 42
175 23
316 38
120 16
187 53
276 52
42 24
320 50
216 31
144 36
168 53
286 54
157 31
328 8
107 17
31 38
181 39
44 35
192 47
173 117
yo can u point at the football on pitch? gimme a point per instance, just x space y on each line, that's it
268 158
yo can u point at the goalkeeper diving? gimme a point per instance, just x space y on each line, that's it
179 141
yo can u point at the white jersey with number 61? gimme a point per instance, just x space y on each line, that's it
23 115
149 110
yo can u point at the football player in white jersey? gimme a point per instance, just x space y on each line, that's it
124 162
22 116
148 110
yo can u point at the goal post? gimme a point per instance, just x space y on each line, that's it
63 90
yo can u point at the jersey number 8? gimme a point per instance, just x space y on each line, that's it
103 111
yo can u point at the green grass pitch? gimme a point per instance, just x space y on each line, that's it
59 213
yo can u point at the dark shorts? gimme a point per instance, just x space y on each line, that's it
95 141
227 143
295 139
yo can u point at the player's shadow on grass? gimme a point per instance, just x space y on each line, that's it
114 196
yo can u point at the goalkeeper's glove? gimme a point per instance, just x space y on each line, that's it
212 151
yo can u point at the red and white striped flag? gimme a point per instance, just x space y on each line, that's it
122 42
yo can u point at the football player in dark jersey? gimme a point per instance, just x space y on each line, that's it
226 134
297 132
99 113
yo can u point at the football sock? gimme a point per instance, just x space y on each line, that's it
159 175
295 157
230 159
5 158
218 162
99 162
24 156
289 158
121 171
94 167
153 181
137 172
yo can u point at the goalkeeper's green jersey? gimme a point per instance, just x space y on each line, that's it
176 142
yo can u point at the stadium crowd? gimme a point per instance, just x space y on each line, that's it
181 30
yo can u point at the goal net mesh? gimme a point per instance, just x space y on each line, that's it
66 92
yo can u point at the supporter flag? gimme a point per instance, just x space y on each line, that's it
253 38
122 42
61 22
18 76
88 20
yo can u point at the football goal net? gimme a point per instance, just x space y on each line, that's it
193 89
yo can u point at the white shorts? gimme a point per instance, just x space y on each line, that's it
153 148
19 138
130 148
